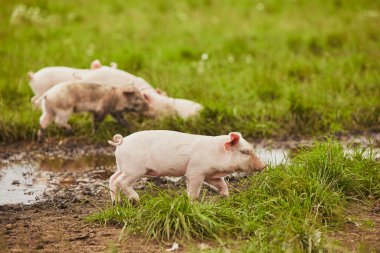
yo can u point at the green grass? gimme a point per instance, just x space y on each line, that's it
289 208
290 68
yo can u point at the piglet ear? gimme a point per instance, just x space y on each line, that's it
128 92
147 97
161 92
30 75
113 65
95 64
233 141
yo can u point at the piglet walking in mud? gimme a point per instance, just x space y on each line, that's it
60 101
168 153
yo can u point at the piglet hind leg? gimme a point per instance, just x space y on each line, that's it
124 182
114 189
220 184
61 118
96 120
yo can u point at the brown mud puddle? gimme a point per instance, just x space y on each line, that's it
28 180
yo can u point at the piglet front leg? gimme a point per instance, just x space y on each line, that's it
120 119
194 186
97 118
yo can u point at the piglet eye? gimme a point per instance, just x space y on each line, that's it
244 152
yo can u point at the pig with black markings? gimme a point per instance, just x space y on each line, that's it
168 153
66 98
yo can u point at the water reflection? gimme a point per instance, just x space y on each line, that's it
22 182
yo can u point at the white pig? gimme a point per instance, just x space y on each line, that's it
162 106
159 104
110 76
46 78
168 153
60 101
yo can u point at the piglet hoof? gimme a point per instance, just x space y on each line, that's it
194 199
40 136
126 124
69 131
116 203
134 202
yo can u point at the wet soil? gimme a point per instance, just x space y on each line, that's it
60 226
361 229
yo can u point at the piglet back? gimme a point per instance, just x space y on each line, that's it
117 140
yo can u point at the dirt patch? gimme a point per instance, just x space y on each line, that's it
361 228
59 226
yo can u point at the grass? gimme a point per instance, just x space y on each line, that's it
290 207
266 68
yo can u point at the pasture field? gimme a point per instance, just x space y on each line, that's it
265 68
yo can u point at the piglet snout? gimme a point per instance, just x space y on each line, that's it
264 166
258 165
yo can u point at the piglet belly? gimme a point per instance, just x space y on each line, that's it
167 170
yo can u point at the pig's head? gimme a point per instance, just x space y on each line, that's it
130 99
158 105
241 153
163 106
187 108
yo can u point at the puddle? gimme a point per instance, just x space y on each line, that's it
81 163
272 156
26 183
20 184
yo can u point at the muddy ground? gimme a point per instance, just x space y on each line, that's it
67 180
56 227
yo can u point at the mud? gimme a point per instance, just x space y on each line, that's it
361 230
37 175
59 226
